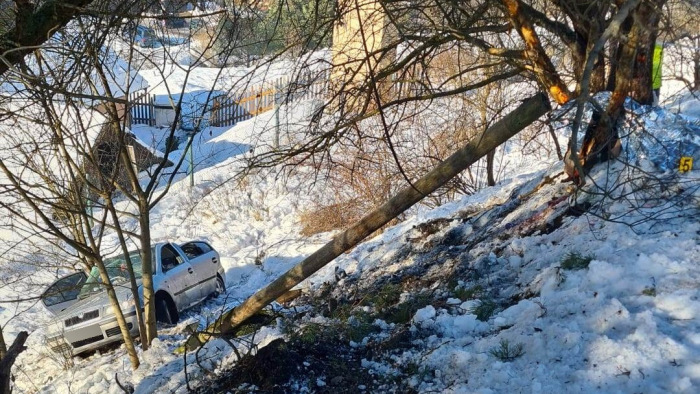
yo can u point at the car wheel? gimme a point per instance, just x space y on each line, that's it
220 287
164 313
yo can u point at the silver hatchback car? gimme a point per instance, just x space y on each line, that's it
84 320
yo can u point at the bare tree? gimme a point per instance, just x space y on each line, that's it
547 42
73 172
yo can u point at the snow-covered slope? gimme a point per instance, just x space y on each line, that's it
489 268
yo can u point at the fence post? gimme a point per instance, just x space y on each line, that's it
276 141
152 110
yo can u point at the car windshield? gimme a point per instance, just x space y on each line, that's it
117 271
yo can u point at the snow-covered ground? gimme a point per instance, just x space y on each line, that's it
629 322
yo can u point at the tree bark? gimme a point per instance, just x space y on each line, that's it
529 111
3 346
119 315
132 277
645 30
587 18
631 78
149 299
483 113
34 27
8 360
696 64
541 65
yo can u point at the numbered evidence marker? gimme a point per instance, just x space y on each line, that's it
686 164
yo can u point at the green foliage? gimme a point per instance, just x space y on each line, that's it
403 312
358 326
576 261
468 293
311 333
301 24
506 352
387 296
254 323
649 291
485 310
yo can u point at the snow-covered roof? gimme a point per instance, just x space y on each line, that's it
27 141
62 63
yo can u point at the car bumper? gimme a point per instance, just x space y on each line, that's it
92 334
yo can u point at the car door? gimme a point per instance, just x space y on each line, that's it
179 277
63 292
205 264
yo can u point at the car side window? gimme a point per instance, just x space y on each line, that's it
191 250
204 247
195 249
169 258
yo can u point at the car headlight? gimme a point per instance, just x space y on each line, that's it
123 305
127 304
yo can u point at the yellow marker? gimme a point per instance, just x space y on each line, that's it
686 164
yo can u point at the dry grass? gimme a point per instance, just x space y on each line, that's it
328 218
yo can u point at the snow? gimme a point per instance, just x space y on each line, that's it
627 323
64 50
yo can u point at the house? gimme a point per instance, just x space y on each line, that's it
81 95
362 29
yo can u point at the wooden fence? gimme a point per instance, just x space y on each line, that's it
141 108
227 110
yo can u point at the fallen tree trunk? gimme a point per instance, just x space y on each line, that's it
529 111
8 360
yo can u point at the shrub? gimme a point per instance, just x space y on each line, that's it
485 310
576 261
328 218
311 333
506 352
649 291
470 293
387 296
403 312
358 326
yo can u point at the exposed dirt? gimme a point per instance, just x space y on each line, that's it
326 366
441 259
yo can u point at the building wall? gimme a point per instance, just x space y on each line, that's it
363 28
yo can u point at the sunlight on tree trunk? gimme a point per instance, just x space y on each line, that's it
540 63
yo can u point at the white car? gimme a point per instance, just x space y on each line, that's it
84 320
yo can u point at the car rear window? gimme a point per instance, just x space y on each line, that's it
194 249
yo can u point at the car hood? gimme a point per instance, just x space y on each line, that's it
98 301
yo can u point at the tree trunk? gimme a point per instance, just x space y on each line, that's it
696 63
490 179
541 64
483 114
34 26
529 111
149 299
632 77
3 346
647 23
121 321
132 278
8 359
598 76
